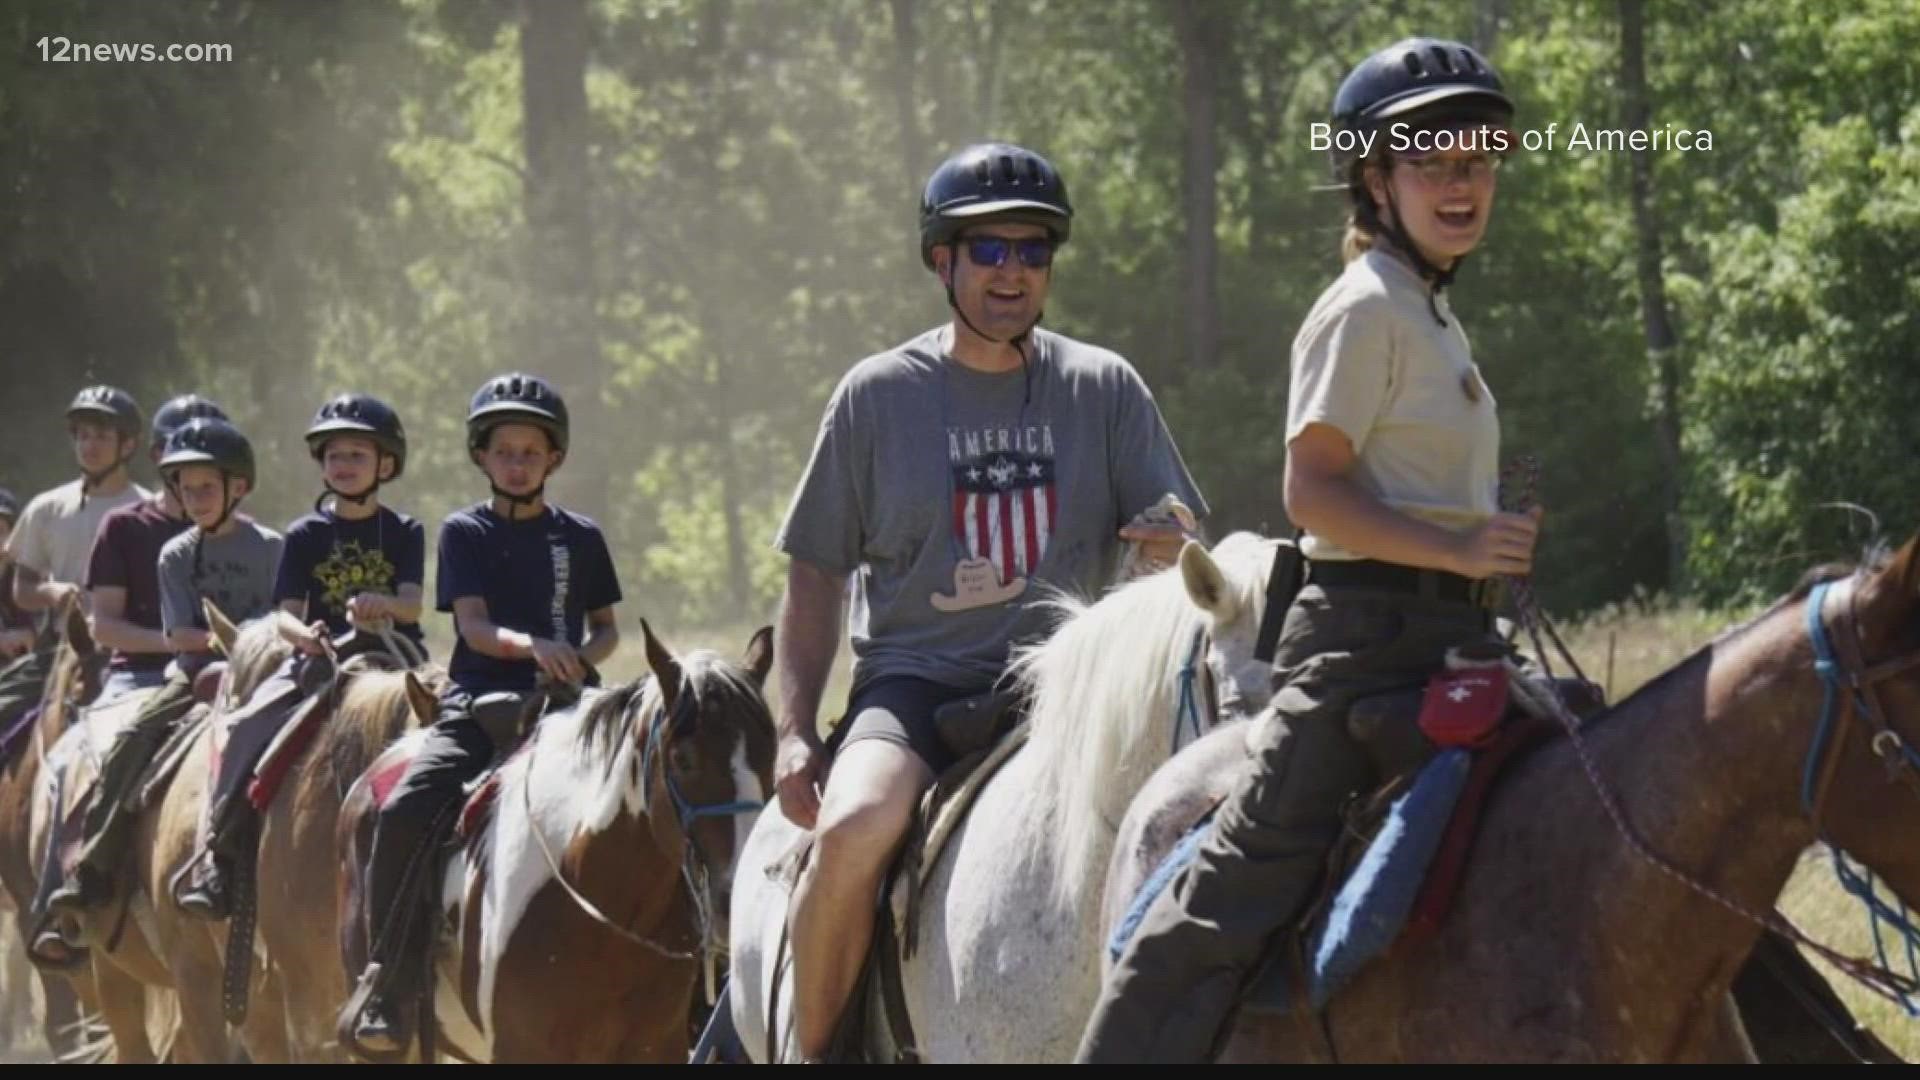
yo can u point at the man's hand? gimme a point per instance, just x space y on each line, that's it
799 767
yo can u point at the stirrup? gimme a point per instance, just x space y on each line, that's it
72 955
179 877
347 1025
202 900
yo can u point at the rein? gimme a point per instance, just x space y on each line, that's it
693 871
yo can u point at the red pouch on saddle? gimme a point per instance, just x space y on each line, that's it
1464 707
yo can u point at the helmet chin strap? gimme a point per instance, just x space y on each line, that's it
517 503
1017 342
90 479
359 500
1438 279
228 505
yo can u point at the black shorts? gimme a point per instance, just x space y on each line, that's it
899 709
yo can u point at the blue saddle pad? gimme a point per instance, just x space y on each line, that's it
1372 906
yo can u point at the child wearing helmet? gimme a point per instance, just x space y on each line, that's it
353 562
123 584
51 540
531 588
225 558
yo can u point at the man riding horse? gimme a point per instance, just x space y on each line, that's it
956 479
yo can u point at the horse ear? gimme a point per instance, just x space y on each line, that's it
1206 584
1904 570
759 659
666 669
224 632
421 700
1888 597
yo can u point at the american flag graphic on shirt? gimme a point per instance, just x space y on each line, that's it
1004 500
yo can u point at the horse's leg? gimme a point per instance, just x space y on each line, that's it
265 1030
65 1013
203 1036
1720 1037
123 1004
1794 1017
296 886
307 1008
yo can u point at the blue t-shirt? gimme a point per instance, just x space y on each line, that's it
539 576
329 560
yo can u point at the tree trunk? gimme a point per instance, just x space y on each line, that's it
561 339
1663 345
1487 15
906 59
1198 28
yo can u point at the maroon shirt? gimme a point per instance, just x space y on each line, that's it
126 555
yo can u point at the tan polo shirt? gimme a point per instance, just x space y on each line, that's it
55 535
1372 361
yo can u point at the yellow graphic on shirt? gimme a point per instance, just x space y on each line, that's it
349 571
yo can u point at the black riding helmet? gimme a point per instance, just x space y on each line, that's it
1419 79
204 441
997 181
177 411
1425 83
109 404
365 416
518 399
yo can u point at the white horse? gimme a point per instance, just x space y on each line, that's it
1007 966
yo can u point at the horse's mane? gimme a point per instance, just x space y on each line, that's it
258 651
374 710
1103 689
603 723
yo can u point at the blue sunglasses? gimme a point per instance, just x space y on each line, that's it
1035 253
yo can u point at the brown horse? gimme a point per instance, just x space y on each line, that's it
144 950
73 680
1564 942
295 984
298 869
143 947
585 901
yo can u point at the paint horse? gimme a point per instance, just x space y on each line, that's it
589 891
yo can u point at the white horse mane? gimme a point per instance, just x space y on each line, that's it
1104 689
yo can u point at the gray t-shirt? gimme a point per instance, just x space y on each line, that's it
922 464
235 571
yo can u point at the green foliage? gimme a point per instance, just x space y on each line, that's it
343 206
